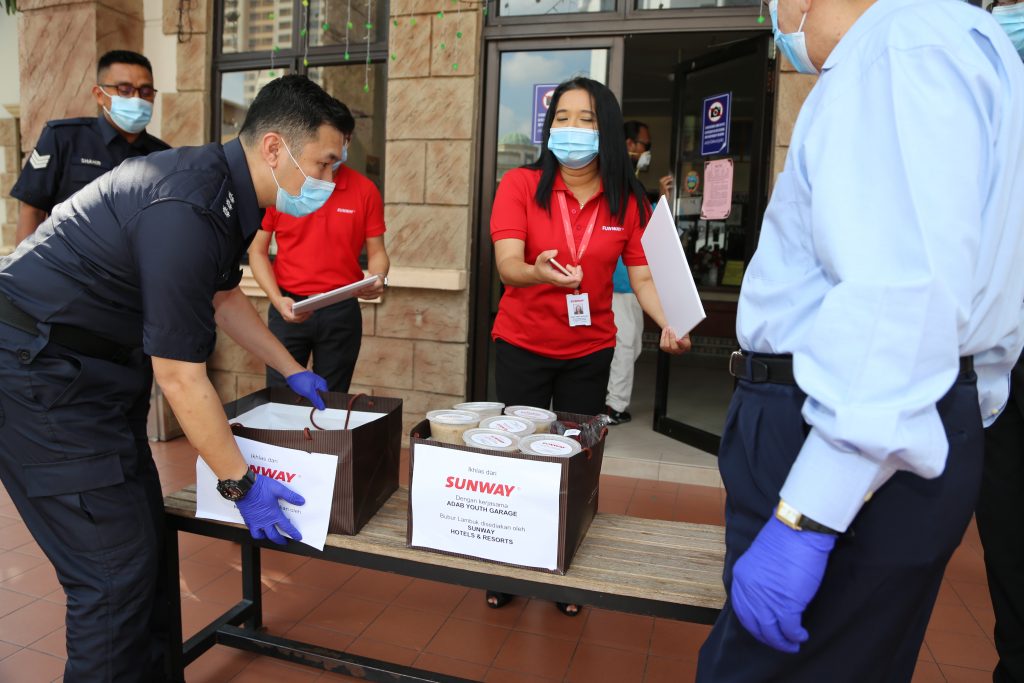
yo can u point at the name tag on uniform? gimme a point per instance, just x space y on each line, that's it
579 309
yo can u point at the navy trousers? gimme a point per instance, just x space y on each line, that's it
75 460
1001 525
868 619
333 335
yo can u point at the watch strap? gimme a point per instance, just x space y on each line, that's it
792 518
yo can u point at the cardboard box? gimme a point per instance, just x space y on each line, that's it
517 509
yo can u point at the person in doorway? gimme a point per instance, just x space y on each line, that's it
129 280
318 252
879 319
579 202
71 153
999 513
629 317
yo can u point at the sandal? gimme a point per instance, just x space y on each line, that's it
496 600
569 609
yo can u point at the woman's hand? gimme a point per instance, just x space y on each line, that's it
547 273
671 344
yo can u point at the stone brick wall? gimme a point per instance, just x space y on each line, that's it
185 117
792 90
10 166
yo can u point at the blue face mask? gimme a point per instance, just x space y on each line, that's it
312 195
344 157
130 114
573 147
793 45
1011 18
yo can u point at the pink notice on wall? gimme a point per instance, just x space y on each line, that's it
717 190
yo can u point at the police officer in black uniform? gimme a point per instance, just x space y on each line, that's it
126 281
71 153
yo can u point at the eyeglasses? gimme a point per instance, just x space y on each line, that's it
146 92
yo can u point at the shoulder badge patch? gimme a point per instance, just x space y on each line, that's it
39 161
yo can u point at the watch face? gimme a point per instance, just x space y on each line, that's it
230 490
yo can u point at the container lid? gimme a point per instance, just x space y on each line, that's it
513 425
453 417
549 444
490 438
477 406
531 413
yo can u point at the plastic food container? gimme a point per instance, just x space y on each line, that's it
449 425
549 444
482 408
513 425
540 417
492 439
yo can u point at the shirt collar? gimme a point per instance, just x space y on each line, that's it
874 14
109 134
106 130
248 206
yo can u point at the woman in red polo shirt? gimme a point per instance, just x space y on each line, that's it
559 226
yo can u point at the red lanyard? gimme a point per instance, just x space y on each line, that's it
576 259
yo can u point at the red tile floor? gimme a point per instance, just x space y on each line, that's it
439 627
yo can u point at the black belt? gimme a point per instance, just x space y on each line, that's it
778 369
73 338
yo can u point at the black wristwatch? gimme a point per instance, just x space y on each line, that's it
792 518
235 489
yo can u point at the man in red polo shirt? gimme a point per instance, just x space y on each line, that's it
317 253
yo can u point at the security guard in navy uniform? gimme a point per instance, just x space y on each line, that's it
71 153
125 281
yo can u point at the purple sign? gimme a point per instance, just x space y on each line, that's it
714 135
541 102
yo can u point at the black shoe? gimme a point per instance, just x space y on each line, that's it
617 418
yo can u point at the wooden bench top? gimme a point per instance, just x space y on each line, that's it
673 562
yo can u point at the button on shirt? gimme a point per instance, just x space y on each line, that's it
70 154
536 318
137 256
892 246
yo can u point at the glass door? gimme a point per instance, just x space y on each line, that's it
722 132
519 79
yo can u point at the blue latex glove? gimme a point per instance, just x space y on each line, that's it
308 384
775 580
263 514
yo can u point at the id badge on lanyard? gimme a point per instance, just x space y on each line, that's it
577 304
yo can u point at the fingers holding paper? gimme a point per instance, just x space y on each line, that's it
372 291
672 344
284 306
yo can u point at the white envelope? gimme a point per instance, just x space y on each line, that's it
672 277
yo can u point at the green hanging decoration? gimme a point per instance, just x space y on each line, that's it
455 66
485 10
272 73
366 87
277 48
412 22
394 22
440 15
443 46
369 25
305 62
271 16
394 57
346 56
305 3
325 26
458 34
348 25
302 32
760 19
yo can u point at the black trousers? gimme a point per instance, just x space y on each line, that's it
75 460
577 385
868 619
1000 516
332 335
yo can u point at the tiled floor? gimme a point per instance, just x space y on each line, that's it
436 626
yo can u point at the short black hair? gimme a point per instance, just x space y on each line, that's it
294 107
122 57
617 177
632 129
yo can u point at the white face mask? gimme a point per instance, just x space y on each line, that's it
644 162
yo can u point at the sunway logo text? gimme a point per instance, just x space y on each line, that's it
479 486
280 475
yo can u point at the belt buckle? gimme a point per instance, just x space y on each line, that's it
736 357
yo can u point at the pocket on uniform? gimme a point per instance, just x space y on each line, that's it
83 174
72 476
52 376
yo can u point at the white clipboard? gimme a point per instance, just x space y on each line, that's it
319 301
672 277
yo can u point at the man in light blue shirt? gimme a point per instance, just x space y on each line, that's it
879 320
